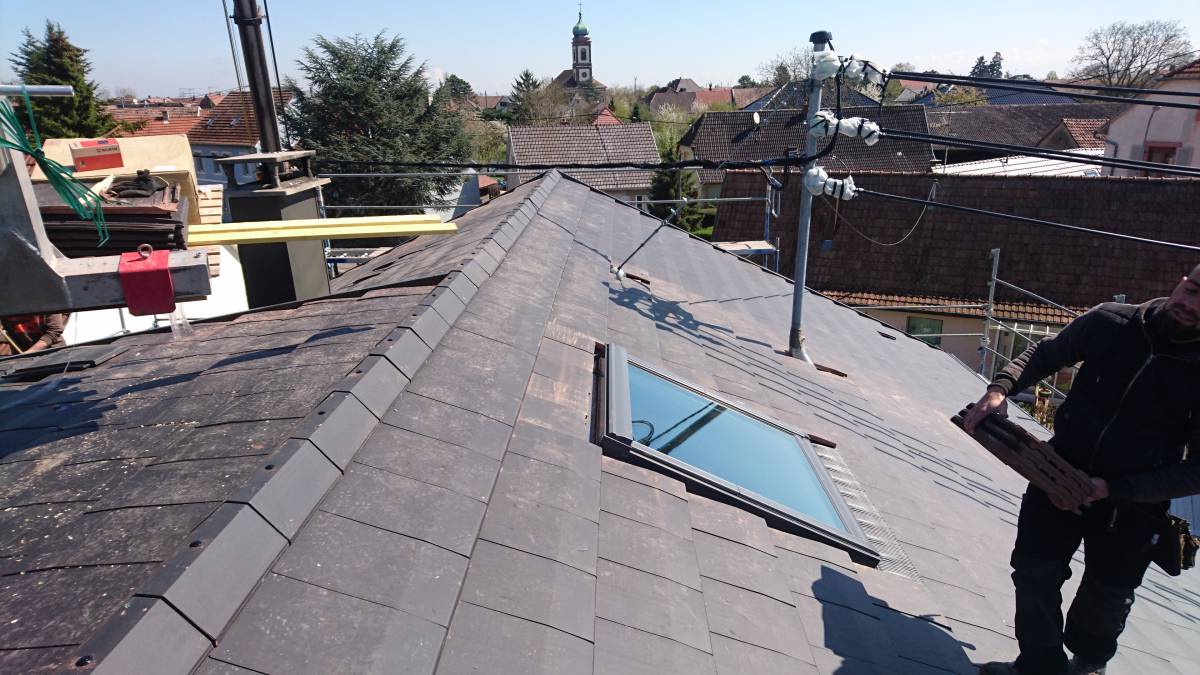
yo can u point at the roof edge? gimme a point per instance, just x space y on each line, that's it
202 587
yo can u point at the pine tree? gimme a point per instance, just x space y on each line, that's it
996 67
368 99
52 59
677 185
981 68
524 90
457 88
636 115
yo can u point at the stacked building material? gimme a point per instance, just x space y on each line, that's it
158 219
1036 460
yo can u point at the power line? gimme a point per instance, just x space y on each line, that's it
837 214
496 167
985 100
936 77
1044 153
1016 86
1030 221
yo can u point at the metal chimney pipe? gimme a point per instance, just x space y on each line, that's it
254 55
796 337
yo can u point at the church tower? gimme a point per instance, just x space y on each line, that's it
581 54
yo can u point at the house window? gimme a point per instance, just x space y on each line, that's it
654 420
1161 154
917 326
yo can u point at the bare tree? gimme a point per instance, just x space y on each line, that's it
796 62
1132 54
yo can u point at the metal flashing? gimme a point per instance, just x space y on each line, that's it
404 350
376 382
146 636
210 578
337 427
289 486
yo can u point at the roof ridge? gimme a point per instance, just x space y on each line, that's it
240 541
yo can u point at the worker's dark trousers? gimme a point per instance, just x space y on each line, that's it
1116 555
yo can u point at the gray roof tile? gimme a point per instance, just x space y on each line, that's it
541 530
531 587
448 423
621 650
645 504
742 566
294 627
559 449
735 656
756 619
651 603
483 640
430 461
405 506
497 374
649 549
383 567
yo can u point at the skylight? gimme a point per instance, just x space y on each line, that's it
724 452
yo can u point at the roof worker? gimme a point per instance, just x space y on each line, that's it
28 333
1131 420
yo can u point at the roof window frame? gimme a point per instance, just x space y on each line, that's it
613 429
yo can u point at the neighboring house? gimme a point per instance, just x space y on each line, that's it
735 136
945 260
1026 165
1074 133
606 116
998 96
488 102
158 121
744 96
794 96
588 144
416 474
1026 125
685 94
230 128
1154 134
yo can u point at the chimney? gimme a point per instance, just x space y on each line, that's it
166 115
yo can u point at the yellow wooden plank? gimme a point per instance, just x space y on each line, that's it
317 228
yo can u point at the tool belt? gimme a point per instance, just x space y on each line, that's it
1175 548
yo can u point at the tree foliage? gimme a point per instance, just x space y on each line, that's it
959 96
368 99
53 59
457 88
678 185
537 102
1126 54
985 68
746 81
784 67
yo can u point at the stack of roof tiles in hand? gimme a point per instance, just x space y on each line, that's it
947 255
450 513
590 144
734 135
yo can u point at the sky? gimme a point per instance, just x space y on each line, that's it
168 47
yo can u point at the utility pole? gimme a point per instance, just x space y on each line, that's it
820 40
254 54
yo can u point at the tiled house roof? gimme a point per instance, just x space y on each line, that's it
998 96
733 135
178 121
438 505
1190 71
1015 124
1083 131
233 121
744 96
605 117
589 144
947 256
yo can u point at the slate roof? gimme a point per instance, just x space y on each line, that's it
461 521
1014 124
233 121
998 96
589 144
732 135
744 96
947 255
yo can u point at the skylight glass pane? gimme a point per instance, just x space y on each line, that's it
727 444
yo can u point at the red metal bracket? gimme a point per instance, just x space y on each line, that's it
146 280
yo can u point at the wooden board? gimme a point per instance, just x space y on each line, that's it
261 232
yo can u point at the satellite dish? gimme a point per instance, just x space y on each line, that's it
757 119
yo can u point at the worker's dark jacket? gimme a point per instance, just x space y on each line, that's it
1134 407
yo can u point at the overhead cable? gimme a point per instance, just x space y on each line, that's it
1030 221
497 167
1044 153
927 77
837 214
1016 86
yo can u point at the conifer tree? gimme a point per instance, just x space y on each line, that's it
53 59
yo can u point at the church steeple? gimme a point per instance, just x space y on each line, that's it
581 52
